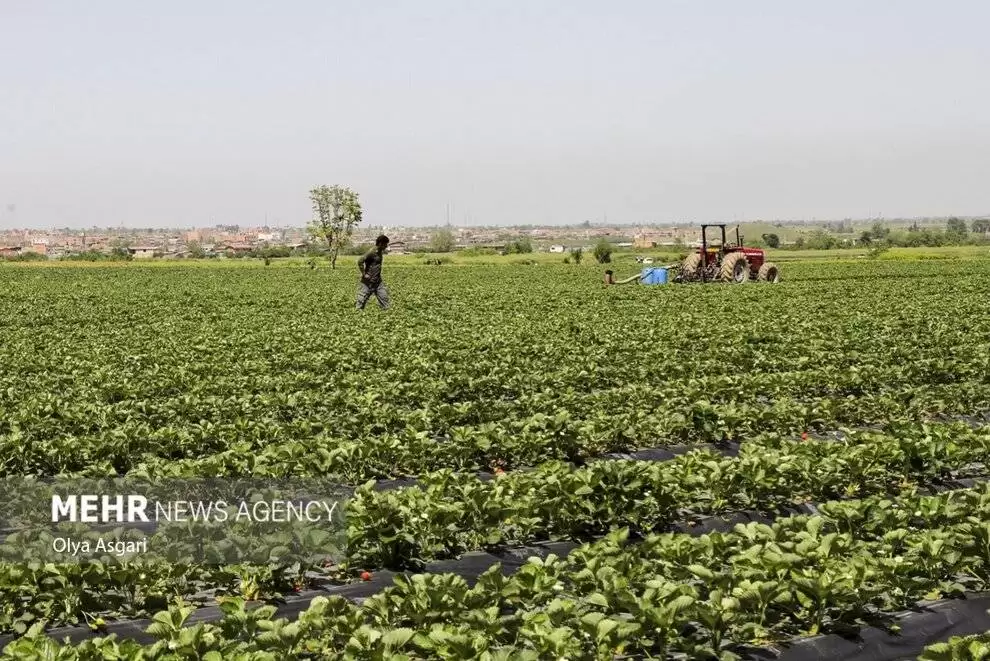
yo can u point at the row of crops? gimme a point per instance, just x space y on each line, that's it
492 395
450 514
704 597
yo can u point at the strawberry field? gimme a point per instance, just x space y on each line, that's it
544 468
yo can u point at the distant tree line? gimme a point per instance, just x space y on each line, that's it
955 233
116 254
24 257
266 252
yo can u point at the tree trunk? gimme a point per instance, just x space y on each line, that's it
333 259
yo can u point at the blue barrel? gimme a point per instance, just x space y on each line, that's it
653 275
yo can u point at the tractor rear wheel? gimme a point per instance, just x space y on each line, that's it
735 268
691 266
769 273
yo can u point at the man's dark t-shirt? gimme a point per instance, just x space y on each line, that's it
371 266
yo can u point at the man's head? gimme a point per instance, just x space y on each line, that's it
381 242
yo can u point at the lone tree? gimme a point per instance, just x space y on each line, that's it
336 210
956 227
772 240
521 246
196 250
442 241
879 231
603 251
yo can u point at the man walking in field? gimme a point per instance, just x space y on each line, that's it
371 275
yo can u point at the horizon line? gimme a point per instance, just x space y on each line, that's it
578 225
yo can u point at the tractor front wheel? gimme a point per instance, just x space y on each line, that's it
735 268
769 273
691 266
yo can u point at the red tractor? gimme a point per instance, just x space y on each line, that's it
726 262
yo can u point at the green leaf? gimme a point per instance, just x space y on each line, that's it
396 638
701 572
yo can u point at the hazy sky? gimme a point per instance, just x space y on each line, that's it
192 113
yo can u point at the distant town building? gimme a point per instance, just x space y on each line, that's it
645 241
39 247
235 247
557 248
654 239
142 252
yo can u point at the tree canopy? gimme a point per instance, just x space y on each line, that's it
336 211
